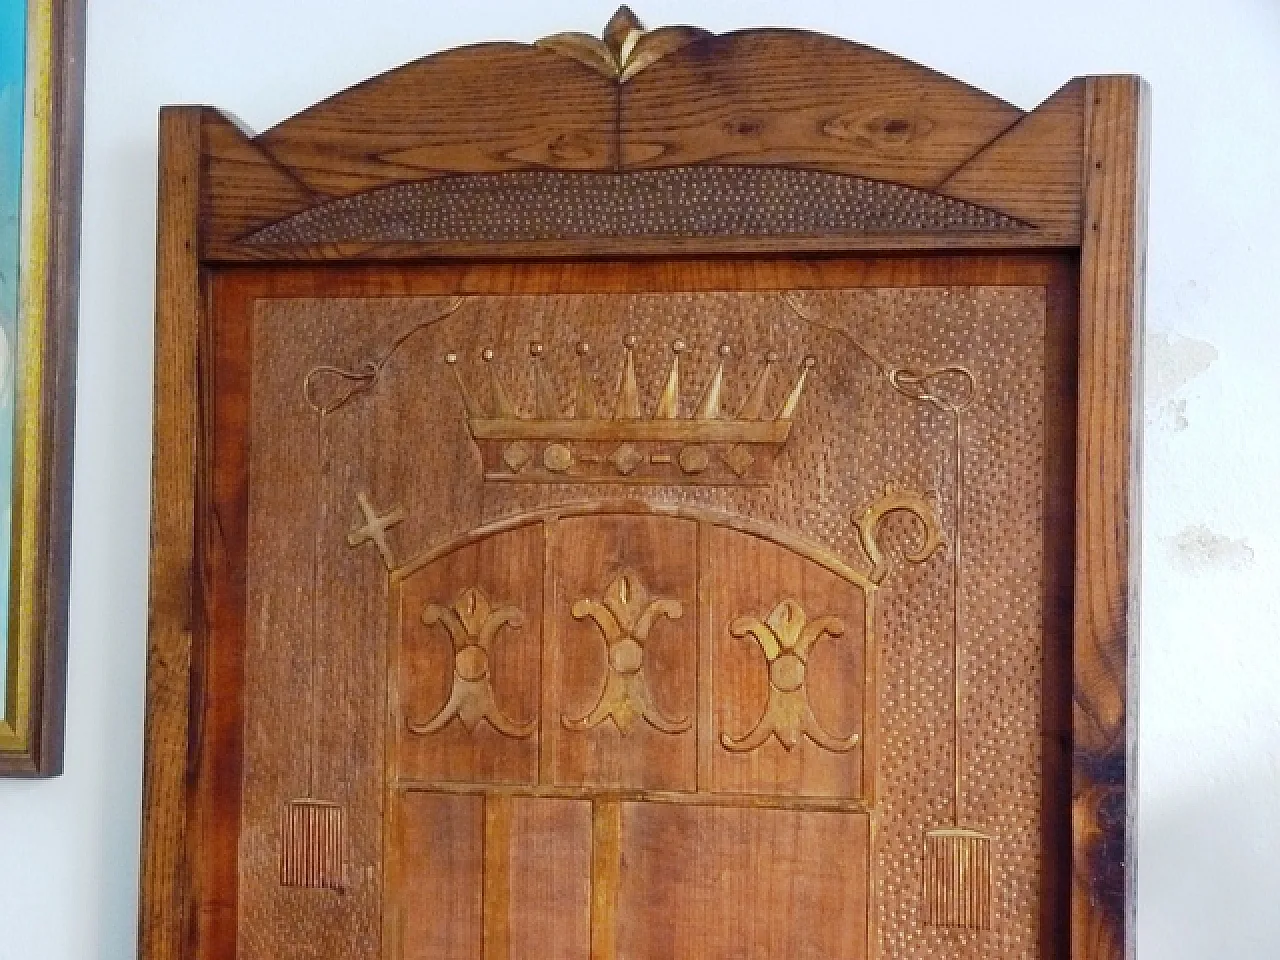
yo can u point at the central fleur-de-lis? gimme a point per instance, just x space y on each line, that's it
625 618
472 623
786 638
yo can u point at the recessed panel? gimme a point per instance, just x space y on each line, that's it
650 623
734 882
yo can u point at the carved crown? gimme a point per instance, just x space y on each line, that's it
618 440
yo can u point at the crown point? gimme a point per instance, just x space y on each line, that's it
487 354
678 346
450 358
630 340
810 362
535 348
725 349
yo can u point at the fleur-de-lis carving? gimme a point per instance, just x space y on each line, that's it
786 637
472 623
625 617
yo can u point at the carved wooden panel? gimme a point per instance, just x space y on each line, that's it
557 586
615 657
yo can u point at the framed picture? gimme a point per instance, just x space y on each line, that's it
41 82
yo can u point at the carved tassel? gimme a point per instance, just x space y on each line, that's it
669 401
957 878
311 845
709 405
628 404
957 860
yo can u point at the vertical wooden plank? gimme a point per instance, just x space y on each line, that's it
548 725
606 853
550 869
497 876
1107 486
442 840
705 685
173 613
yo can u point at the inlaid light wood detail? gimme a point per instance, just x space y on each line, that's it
614 439
958 878
905 502
625 47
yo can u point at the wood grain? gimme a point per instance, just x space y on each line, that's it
792 97
497 877
1033 170
606 862
1112 281
489 107
551 876
174 610
241 184
441 910
217 715
731 883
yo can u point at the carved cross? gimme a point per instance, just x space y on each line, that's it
375 528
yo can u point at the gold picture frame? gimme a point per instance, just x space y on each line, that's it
43 364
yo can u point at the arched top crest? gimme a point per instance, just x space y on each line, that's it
643 137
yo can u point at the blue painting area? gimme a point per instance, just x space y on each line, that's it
13 46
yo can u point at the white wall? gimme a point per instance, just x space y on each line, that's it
1210 776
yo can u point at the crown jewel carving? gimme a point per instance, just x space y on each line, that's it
618 438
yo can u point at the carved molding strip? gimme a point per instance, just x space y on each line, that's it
676 202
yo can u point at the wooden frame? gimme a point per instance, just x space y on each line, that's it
31 728
1067 179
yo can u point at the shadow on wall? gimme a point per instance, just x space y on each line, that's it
1212 848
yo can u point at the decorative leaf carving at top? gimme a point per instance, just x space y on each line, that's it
625 48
